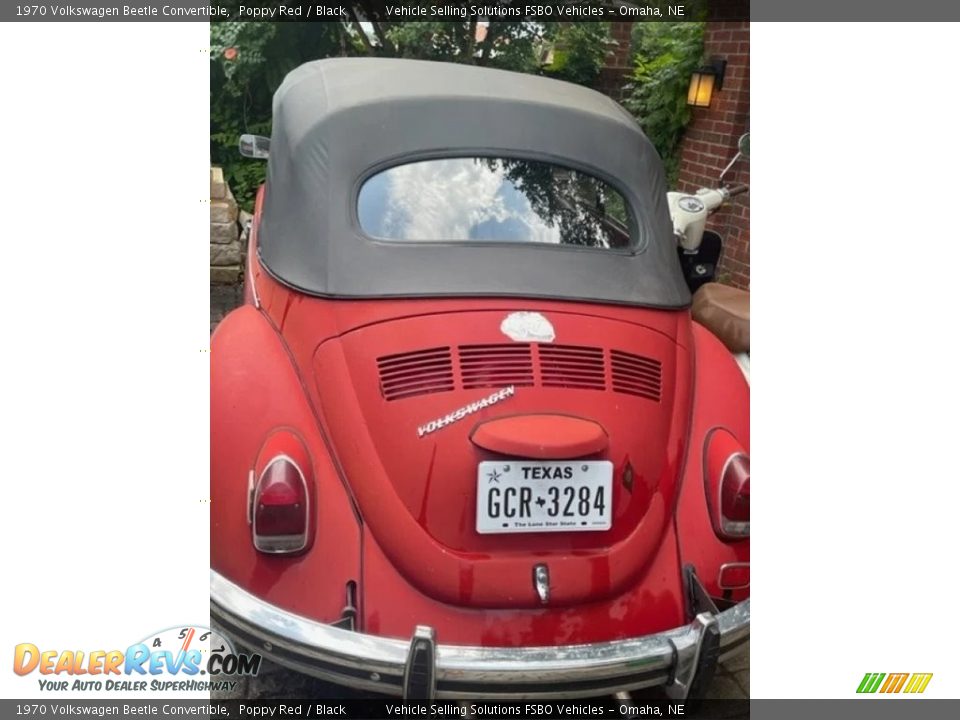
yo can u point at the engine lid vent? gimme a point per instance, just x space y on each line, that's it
415 373
572 366
495 365
468 367
635 375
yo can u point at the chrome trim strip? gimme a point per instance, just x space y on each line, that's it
253 288
743 360
467 672
251 247
734 630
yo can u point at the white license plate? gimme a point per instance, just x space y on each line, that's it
525 496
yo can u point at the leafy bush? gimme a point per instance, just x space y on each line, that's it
579 50
665 56
248 61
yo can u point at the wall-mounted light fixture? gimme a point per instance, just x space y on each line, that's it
705 81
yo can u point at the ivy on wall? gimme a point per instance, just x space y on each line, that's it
665 55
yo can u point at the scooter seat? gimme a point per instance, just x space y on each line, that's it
724 311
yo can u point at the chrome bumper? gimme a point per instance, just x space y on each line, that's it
423 669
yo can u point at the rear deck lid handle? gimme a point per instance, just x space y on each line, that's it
541 436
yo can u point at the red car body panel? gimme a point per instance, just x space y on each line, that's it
393 607
254 392
721 400
395 510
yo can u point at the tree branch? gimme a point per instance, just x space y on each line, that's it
487 44
471 41
373 18
342 38
358 28
382 37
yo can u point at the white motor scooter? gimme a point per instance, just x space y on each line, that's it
723 310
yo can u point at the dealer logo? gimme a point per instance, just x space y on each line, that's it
184 658
894 682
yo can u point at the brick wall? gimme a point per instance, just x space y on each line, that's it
711 141
618 68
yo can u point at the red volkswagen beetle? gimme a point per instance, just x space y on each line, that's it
466 440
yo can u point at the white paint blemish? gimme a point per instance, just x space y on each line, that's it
527 327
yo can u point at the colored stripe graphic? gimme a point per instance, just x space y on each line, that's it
895 682
918 682
870 682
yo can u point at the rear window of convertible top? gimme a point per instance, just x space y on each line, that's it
482 199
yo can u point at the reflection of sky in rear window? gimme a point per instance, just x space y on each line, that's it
483 200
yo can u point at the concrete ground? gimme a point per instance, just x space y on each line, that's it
223 299
731 681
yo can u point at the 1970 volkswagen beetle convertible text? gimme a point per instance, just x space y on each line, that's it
466 441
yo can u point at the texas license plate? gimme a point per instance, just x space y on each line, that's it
529 496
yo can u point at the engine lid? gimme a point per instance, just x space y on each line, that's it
411 418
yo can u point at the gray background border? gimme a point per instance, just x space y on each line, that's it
873 708
760 10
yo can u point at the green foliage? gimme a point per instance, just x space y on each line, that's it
513 46
579 50
441 41
248 61
665 56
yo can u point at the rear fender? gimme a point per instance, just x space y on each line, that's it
721 399
255 391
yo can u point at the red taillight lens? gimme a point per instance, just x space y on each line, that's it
727 477
735 490
281 508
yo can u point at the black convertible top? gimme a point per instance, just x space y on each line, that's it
338 121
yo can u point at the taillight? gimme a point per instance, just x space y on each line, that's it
735 490
280 498
727 477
